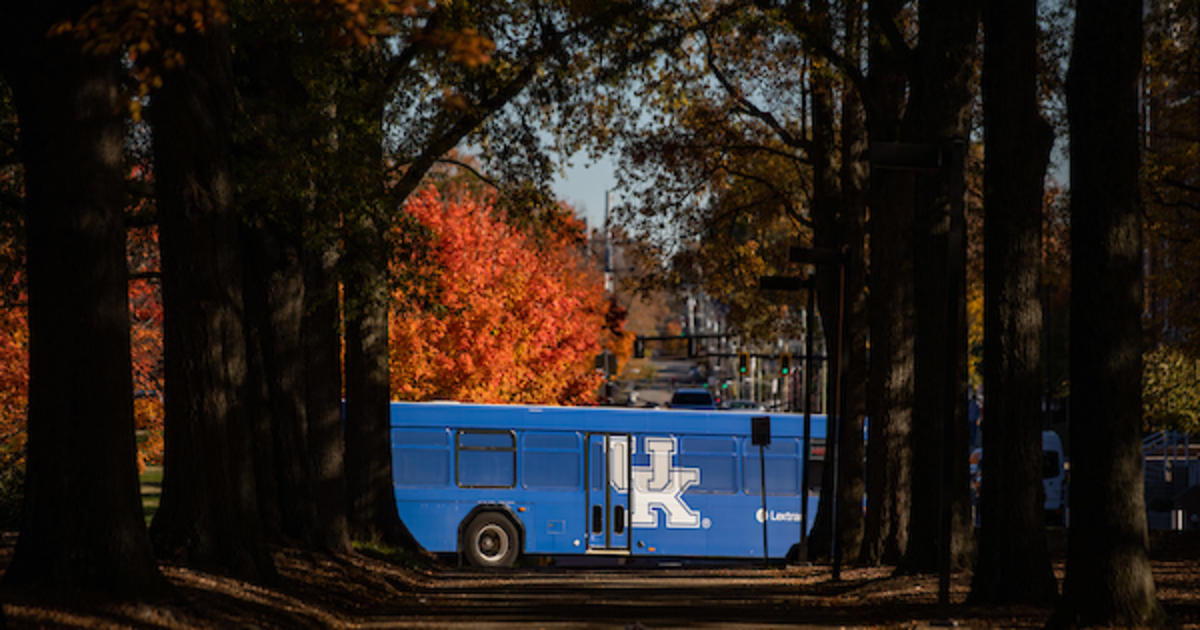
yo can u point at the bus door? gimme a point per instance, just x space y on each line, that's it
608 491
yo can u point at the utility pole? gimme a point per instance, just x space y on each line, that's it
608 270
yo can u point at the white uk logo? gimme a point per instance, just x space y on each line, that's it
658 487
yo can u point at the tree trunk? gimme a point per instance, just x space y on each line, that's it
291 253
209 511
890 383
1108 573
852 235
274 312
373 513
372 502
82 526
1013 561
825 206
323 373
938 114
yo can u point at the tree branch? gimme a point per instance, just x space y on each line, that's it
784 199
820 44
470 169
882 18
1182 185
479 113
749 107
418 45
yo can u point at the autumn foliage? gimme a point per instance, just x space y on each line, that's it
14 383
146 315
146 342
494 315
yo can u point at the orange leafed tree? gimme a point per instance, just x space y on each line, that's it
146 342
146 334
494 315
14 383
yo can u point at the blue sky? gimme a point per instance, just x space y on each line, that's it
583 185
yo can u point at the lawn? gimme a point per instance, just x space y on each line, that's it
151 487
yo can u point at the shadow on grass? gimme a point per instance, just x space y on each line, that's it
151 487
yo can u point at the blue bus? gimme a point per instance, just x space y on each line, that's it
494 482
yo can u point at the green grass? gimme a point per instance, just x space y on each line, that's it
395 555
151 485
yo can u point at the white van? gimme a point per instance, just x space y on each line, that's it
1054 478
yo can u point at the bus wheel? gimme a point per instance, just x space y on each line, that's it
490 540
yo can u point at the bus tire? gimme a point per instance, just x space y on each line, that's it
491 541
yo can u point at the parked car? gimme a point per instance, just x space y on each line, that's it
1054 477
692 399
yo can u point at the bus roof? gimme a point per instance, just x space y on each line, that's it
598 419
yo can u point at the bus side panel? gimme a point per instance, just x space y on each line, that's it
553 522
441 474
697 472
734 531
422 475
706 500
551 485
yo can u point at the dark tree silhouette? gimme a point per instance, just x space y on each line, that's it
838 220
938 115
209 512
81 525
1013 564
890 385
1108 572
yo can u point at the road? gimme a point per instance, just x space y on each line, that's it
739 597
669 375
355 591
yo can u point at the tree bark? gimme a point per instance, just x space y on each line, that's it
1108 573
825 206
209 512
373 513
275 203
372 502
938 114
323 373
1013 561
82 526
890 383
851 234
275 302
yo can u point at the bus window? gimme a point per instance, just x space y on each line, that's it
551 460
1051 467
782 470
486 459
421 457
717 457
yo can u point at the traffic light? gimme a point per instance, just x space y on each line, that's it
785 364
639 348
743 362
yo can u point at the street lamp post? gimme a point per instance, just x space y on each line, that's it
829 256
608 269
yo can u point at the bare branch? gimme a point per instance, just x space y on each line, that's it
784 199
470 169
748 107
1182 185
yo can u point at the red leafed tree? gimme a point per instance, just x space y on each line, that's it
145 310
14 383
493 315
146 339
